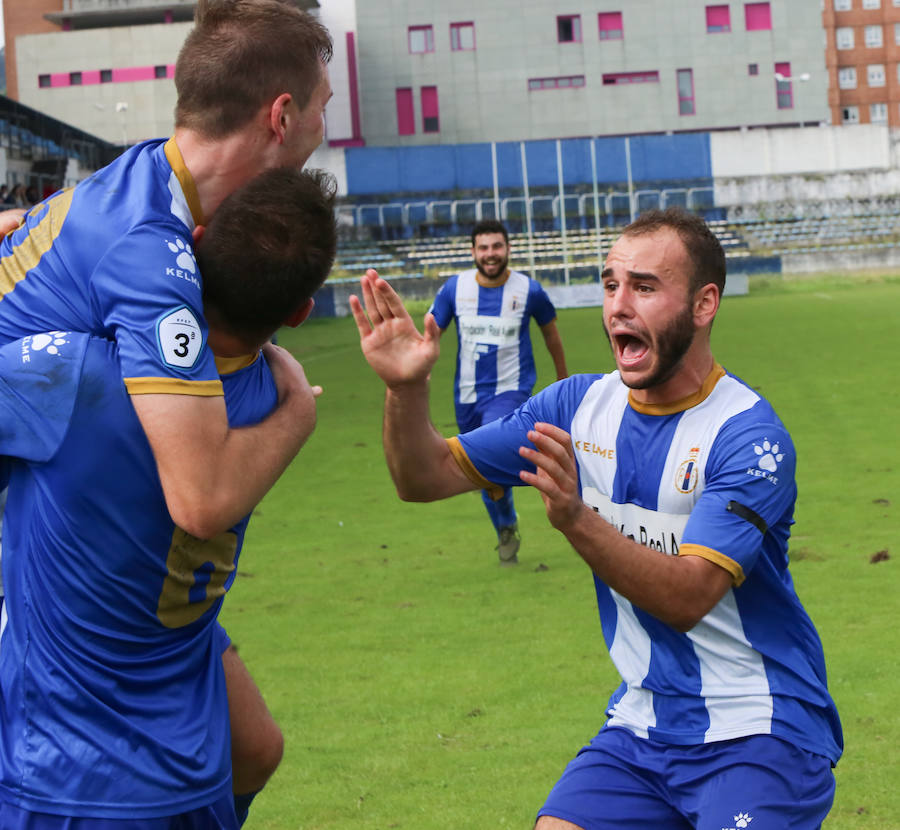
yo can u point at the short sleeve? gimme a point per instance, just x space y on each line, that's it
443 308
493 449
750 491
148 290
542 308
39 382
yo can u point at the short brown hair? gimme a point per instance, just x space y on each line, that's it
702 245
242 54
268 249
489 226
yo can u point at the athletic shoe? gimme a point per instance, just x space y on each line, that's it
508 545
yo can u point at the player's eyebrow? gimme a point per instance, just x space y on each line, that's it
637 276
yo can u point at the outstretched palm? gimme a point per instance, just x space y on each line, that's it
390 341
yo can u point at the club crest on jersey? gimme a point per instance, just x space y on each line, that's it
49 342
185 263
688 473
769 456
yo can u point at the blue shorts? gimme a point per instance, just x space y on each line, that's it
470 416
217 816
620 782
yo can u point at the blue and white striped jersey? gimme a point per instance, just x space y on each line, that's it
714 477
492 318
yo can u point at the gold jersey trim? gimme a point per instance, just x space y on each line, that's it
227 365
495 491
174 386
185 179
28 253
720 559
484 282
714 376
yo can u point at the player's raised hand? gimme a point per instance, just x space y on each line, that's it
556 477
390 341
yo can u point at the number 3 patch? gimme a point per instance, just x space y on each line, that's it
180 338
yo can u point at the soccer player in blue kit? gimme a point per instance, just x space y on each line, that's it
113 706
675 483
113 257
495 372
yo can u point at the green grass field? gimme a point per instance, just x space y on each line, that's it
420 685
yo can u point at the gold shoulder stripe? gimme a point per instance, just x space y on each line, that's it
174 386
720 559
495 491
27 254
185 179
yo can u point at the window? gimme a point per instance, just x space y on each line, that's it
75 78
421 39
878 113
618 78
462 37
718 19
849 115
843 5
568 28
871 4
564 82
847 77
685 91
757 16
784 92
873 37
43 81
430 114
105 76
875 74
406 118
753 69
610 24
844 37
159 71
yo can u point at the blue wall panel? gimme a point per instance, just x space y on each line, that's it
462 167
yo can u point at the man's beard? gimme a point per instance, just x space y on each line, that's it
671 345
502 265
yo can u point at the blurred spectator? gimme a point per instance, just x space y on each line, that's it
17 197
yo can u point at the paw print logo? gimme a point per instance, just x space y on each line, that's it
185 259
49 342
770 457
741 821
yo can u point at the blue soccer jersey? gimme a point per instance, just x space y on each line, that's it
112 694
494 352
712 477
113 257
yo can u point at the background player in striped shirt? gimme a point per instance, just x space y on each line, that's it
495 372
674 481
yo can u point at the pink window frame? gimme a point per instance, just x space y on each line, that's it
758 17
604 19
718 19
406 115
428 96
429 39
456 28
682 98
785 88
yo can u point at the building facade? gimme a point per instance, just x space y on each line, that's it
862 53
432 71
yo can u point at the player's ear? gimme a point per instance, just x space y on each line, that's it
198 232
278 116
300 314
